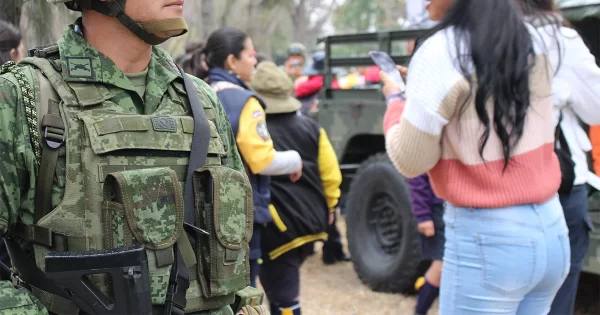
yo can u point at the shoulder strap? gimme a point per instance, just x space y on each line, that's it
200 142
51 125
52 71
46 145
559 137
180 274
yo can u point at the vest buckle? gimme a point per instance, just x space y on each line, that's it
54 130
54 137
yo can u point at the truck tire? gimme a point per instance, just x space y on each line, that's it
382 232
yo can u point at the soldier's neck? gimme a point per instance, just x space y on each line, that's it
129 53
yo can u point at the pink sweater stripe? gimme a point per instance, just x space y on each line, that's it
393 114
532 177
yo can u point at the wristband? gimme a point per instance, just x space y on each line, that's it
395 96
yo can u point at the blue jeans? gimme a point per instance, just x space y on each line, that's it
575 206
504 261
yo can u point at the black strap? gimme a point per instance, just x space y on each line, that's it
180 274
200 141
41 236
5 272
53 136
179 282
559 137
29 272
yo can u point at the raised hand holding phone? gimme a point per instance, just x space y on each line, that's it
387 65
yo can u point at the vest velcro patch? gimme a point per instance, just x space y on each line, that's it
164 123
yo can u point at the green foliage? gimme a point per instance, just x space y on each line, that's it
368 15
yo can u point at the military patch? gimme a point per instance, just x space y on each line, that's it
262 131
257 114
80 67
166 124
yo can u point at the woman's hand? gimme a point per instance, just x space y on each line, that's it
294 177
427 228
389 86
403 72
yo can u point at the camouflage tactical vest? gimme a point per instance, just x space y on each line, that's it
119 181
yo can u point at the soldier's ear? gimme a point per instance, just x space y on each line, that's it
14 54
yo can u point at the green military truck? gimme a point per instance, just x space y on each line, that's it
381 230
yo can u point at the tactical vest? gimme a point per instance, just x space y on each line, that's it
117 179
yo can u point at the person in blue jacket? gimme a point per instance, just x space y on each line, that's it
230 56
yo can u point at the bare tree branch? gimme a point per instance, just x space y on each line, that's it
323 19
226 11
10 11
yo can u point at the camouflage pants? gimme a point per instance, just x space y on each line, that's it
15 300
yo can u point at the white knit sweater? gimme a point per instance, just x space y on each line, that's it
575 90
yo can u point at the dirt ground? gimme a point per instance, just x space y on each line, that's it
336 290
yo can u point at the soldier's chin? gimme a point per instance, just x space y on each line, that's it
168 34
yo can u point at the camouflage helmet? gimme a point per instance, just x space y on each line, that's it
146 31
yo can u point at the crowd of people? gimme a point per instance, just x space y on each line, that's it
293 169
490 142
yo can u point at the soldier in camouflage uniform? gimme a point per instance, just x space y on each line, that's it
96 132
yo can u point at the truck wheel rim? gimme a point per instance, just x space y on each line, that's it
385 223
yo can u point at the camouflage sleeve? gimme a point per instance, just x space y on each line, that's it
18 167
234 160
18 301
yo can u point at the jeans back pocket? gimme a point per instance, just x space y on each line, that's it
508 263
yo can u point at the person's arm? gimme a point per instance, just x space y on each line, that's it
414 128
395 106
256 146
580 71
329 168
594 134
309 87
17 193
19 166
420 195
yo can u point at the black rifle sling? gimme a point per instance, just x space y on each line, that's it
200 141
29 272
180 274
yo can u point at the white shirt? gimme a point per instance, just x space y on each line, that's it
575 90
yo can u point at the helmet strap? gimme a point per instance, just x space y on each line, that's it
146 31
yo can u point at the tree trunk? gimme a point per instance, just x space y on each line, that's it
301 23
208 18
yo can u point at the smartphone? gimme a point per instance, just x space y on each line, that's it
387 65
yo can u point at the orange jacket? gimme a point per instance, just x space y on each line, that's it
595 140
